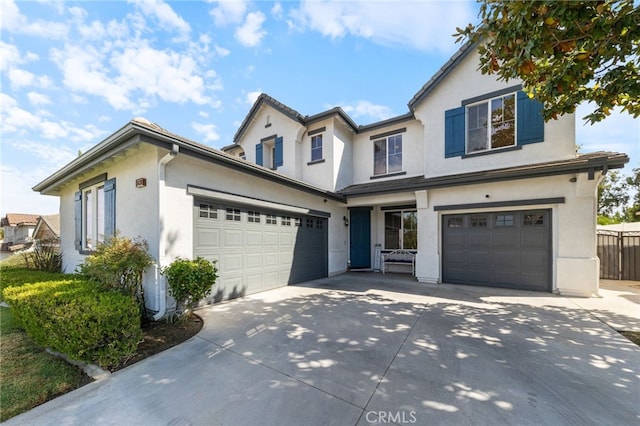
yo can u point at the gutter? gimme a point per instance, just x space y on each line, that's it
160 282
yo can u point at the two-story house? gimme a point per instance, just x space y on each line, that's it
470 179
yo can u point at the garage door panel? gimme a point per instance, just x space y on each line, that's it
231 262
253 238
286 239
506 249
207 238
271 258
232 238
253 260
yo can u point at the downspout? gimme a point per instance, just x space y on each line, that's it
161 285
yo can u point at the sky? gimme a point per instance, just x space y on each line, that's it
74 72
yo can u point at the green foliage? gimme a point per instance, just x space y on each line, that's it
190 280
28 374
15 261
76 318
118 265
619 198
10 276
44 257
564 52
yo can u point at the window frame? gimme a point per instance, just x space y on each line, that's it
94 213
386 141
401 230
489 123
317 150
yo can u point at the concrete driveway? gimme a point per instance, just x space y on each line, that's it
371 349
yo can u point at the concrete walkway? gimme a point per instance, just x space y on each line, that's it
363 348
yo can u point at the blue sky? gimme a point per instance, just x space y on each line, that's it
74 72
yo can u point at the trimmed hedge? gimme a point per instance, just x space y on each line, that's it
76 318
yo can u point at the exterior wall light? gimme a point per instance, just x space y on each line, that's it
346 221
141 182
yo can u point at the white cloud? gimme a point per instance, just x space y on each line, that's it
221 51
12 21
165 15
425 26
20 78
38 99
14 119
229 12
251 33
252 97
366 109
208 131
10 56
277 11
16 194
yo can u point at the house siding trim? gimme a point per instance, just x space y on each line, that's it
257 203
513 203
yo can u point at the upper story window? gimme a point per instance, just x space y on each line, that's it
491 124
316 147
503 120
387 155
269 152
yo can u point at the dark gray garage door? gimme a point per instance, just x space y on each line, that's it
258 249
501 249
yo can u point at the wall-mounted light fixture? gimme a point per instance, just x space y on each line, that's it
141 182
346 221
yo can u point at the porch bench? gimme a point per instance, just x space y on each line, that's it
399 257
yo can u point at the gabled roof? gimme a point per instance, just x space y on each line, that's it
457 57
307 120
15 219
589 163
51 221
140 130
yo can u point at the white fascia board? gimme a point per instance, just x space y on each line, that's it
253 202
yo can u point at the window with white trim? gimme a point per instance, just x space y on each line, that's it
253 216
285 221
316 147
387 155
233 215
271 219
401 230
208 211
93 217
491 124
95 213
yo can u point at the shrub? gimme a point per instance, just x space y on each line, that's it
76 318
190 280
10 276
118 265
44 257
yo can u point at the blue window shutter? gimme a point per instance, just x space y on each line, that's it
259 154
454 132
530 122
277 161
77 200
109 208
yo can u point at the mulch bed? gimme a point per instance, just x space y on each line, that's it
634 336
161 335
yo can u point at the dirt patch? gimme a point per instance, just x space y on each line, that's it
634 336
161 335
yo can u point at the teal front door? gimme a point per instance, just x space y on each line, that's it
360 237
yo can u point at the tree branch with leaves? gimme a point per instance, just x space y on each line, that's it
565 52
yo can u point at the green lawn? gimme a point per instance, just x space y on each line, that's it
28 375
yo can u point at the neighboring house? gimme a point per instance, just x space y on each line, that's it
470 179
18 230
47 230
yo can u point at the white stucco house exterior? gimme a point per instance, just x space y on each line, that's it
470 179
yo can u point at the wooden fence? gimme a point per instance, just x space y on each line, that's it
619 254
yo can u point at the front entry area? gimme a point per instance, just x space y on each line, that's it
499 249
360 237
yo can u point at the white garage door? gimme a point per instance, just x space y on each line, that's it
258 249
